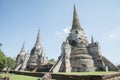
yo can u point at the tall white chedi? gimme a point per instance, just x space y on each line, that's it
20 56
81 55
21 60
74 56
37 56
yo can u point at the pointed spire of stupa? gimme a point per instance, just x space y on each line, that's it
76 23
38 38
92 40
23 47
22 51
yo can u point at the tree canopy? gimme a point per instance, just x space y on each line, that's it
52 61
6 61
3 60
10 62
0 44
118 66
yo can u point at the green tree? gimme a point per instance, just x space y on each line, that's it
10 62
0 44
118 66
3 60
6 61
52 61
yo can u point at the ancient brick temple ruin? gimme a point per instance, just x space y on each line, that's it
35 60
21 59
77 54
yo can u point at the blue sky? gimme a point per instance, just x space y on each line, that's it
21 19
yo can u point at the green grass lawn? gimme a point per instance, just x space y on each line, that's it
85 73
18 77
23 77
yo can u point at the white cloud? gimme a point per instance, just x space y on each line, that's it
63 32
114 35
58 33
66 30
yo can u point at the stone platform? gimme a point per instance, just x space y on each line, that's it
111 76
